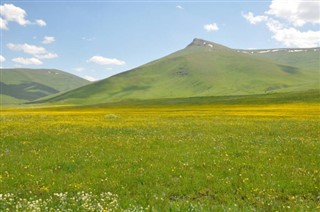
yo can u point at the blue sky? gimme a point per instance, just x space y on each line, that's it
97 39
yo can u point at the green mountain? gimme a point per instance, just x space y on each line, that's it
202 68
307 58
24 85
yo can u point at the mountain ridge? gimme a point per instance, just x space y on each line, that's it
202 68
20 85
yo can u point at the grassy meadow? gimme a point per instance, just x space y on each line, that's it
159 158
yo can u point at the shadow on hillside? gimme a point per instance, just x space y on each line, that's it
289 69
27 90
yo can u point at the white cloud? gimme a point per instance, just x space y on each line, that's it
105 61
27 61
48 55
254 19
90 78
296 12
48 40
2 58
12 13
284 19
26 48
291 36
41 22
179 7
211 27
274 25
36 51
3 24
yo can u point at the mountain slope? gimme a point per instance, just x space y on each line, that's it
307 58
203 68
23 85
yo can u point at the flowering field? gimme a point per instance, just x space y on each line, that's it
208 157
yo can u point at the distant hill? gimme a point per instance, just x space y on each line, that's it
307 58
205 68
24 85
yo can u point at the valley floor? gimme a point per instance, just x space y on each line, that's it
205 157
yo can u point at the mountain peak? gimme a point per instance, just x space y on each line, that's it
204 43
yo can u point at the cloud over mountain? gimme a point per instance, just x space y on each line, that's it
27 61
105 61
211 27
2 58
286 19
37 53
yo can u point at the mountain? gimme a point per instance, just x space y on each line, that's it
307 58
203 68
24 85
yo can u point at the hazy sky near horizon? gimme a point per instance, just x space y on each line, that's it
97 39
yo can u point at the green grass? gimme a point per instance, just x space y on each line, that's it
198 71
309 96
210 156
23 85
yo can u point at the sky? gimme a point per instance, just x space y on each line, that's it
98 39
